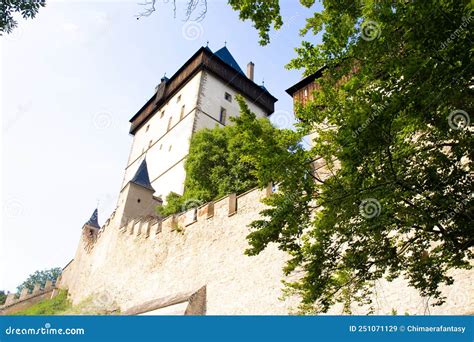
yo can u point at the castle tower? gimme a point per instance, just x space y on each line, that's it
201 94
91 227
136 198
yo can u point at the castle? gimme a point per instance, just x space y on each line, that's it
194 262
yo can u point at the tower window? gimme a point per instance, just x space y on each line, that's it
147 128
223 116
161 146
169 149
228 97
150 143
181 115
162 114
178 99
169 123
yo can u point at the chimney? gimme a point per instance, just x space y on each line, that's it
250 68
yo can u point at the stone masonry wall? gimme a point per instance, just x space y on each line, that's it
148 259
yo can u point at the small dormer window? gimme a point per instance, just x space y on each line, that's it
228 97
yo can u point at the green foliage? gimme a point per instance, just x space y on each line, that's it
263 13
223 160
8 8
3 297
40 277
54 306
392 120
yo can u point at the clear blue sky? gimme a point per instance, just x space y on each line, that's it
71 79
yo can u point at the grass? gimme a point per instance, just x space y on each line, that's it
60 305
53 306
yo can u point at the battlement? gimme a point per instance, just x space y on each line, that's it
152 227
26 298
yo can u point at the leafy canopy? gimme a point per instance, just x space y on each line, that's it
8 8
391 118
222 160
40 277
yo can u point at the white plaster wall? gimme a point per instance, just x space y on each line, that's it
212 98
160 160
170 181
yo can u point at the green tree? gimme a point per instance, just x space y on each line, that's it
40 277
3 297
8 8
220 160
396 94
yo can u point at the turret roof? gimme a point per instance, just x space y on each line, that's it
94 220
141 176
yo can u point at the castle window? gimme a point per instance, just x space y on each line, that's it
150 143
178 99
169 123
169 149
222 116
162 114
147 128
228 97
161 146
306 93
181 115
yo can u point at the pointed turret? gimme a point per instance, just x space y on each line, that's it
141 176
136 198
94 220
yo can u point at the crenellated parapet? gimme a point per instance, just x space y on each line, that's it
25 295
152 228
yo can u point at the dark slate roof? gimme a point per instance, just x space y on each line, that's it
141 176
227 57
94 220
